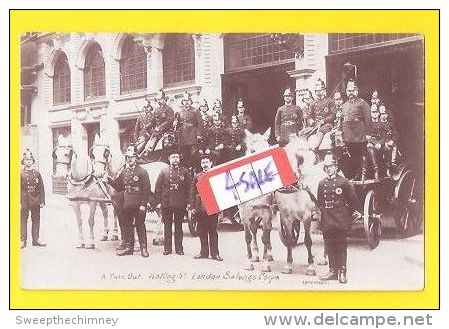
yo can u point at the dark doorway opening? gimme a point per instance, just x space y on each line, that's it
397 72
92 129
262 91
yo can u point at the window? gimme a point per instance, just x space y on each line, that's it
133 66
345 41
251 50
61 81
94 75
179 59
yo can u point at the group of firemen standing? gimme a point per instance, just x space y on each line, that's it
208 136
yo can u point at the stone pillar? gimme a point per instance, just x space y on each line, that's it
156 71
301 77
109 130
211 62
312 65
199 63
79 135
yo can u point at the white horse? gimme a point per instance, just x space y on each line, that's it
296 204
257 212
83 188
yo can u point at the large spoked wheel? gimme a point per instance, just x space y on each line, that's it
408 220
371 219
193 223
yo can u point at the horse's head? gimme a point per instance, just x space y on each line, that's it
106 160
302 157
100 155
256 142
63 156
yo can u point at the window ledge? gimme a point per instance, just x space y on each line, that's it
60 107
79 106
91 103
179 89
137 94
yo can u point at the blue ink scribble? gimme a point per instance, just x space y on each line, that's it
250 180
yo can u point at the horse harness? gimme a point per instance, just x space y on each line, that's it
295 188
86 184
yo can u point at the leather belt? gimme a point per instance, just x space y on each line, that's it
332 205
132 188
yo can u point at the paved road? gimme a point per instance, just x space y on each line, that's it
397 264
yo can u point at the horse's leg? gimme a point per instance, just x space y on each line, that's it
91 221
308 243
288 268
255 247
248 238
267 256
115 229
104 211
288 226
77 209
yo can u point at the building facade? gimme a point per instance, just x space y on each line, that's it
96 83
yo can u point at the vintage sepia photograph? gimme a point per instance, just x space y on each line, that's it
118 129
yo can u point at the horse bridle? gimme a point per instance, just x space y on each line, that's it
106 154
71 153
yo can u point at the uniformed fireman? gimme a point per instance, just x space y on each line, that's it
203 116
218 109
142 130
244 120
135 184
356 123
235 140
163 117
189 127
382 141
375 98
207 224
288 119
32 198
172 195
217 139
305 99
205 122
338 203
321 110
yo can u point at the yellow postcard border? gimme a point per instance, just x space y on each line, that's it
405 21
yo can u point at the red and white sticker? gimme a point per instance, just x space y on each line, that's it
244 179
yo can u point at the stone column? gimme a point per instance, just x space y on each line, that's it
156 71
79 134
109 130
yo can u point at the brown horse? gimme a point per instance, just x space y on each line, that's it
257 212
